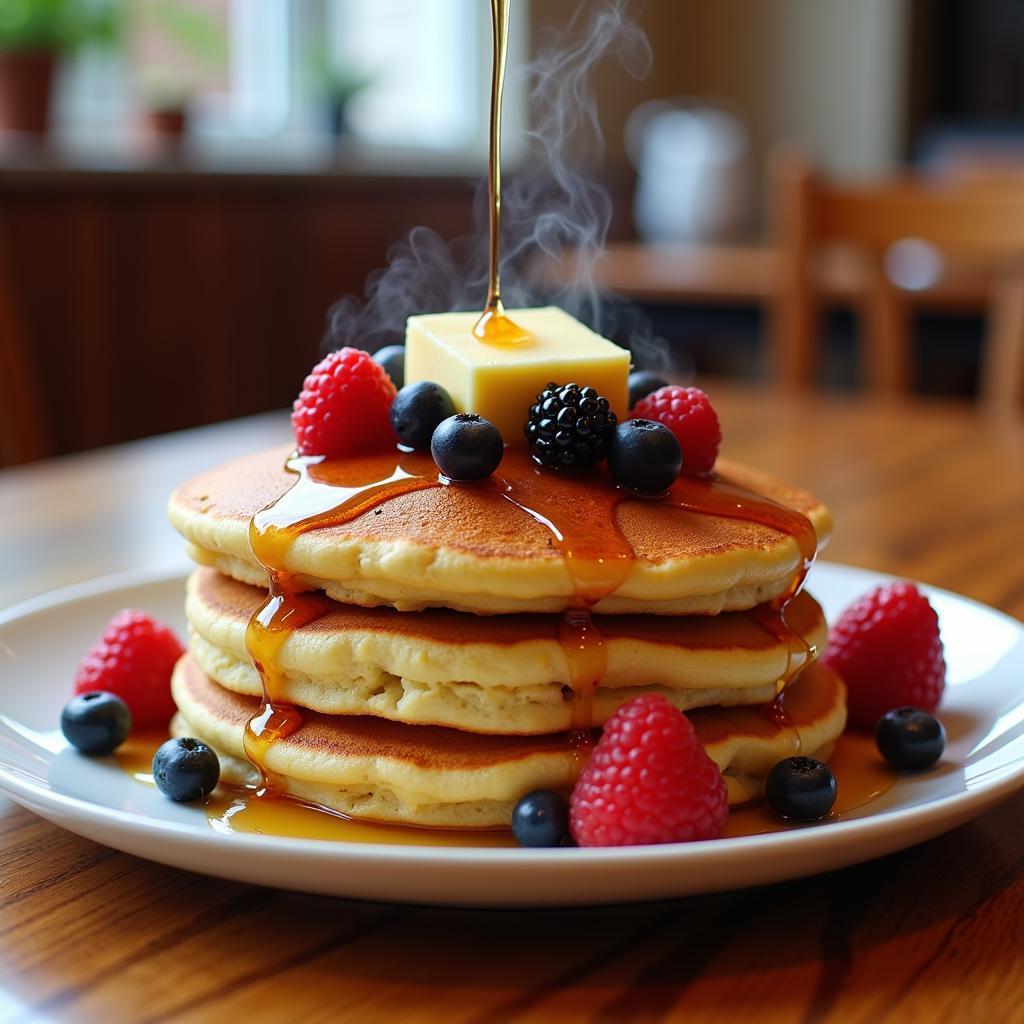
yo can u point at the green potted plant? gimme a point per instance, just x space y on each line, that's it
200 47
34 34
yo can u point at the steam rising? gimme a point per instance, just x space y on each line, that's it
553 211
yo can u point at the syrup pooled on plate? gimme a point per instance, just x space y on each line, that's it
238 810
861 777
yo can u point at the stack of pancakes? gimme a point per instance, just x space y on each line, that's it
435 684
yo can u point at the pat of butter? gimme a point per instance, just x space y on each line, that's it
501 382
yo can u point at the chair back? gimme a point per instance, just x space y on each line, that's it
962 221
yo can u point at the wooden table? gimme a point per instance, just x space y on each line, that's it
931 934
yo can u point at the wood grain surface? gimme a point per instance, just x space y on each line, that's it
935 933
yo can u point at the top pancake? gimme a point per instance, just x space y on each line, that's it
470 548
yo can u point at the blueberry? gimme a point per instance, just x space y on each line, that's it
467 447
417 410
644 456
185 769
392 358
910 739
801 788
642 383
96 723
541 818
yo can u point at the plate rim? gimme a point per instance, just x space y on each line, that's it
812 837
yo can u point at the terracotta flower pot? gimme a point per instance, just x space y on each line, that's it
26 81
166 124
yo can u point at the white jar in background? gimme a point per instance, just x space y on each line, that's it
693 180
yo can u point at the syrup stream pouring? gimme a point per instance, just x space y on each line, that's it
494 327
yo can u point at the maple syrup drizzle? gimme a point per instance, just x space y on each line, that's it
284 611
714 496
580 513
494 327
599 569
598 559
324 493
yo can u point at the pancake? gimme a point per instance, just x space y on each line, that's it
511 544
499 674
431 776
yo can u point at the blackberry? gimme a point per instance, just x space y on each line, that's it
570 427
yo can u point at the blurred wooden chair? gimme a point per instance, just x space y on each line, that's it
962 221
23 434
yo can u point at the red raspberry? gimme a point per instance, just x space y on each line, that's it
344 406
689 414
648 781
887 649
134 658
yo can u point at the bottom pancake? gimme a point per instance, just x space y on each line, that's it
442 778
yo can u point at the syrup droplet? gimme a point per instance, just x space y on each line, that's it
495 328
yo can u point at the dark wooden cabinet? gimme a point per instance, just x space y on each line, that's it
152 301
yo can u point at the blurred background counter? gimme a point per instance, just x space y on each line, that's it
151 300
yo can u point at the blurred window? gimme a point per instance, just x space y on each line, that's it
410 75
420 65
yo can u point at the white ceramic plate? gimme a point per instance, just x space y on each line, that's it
42 640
